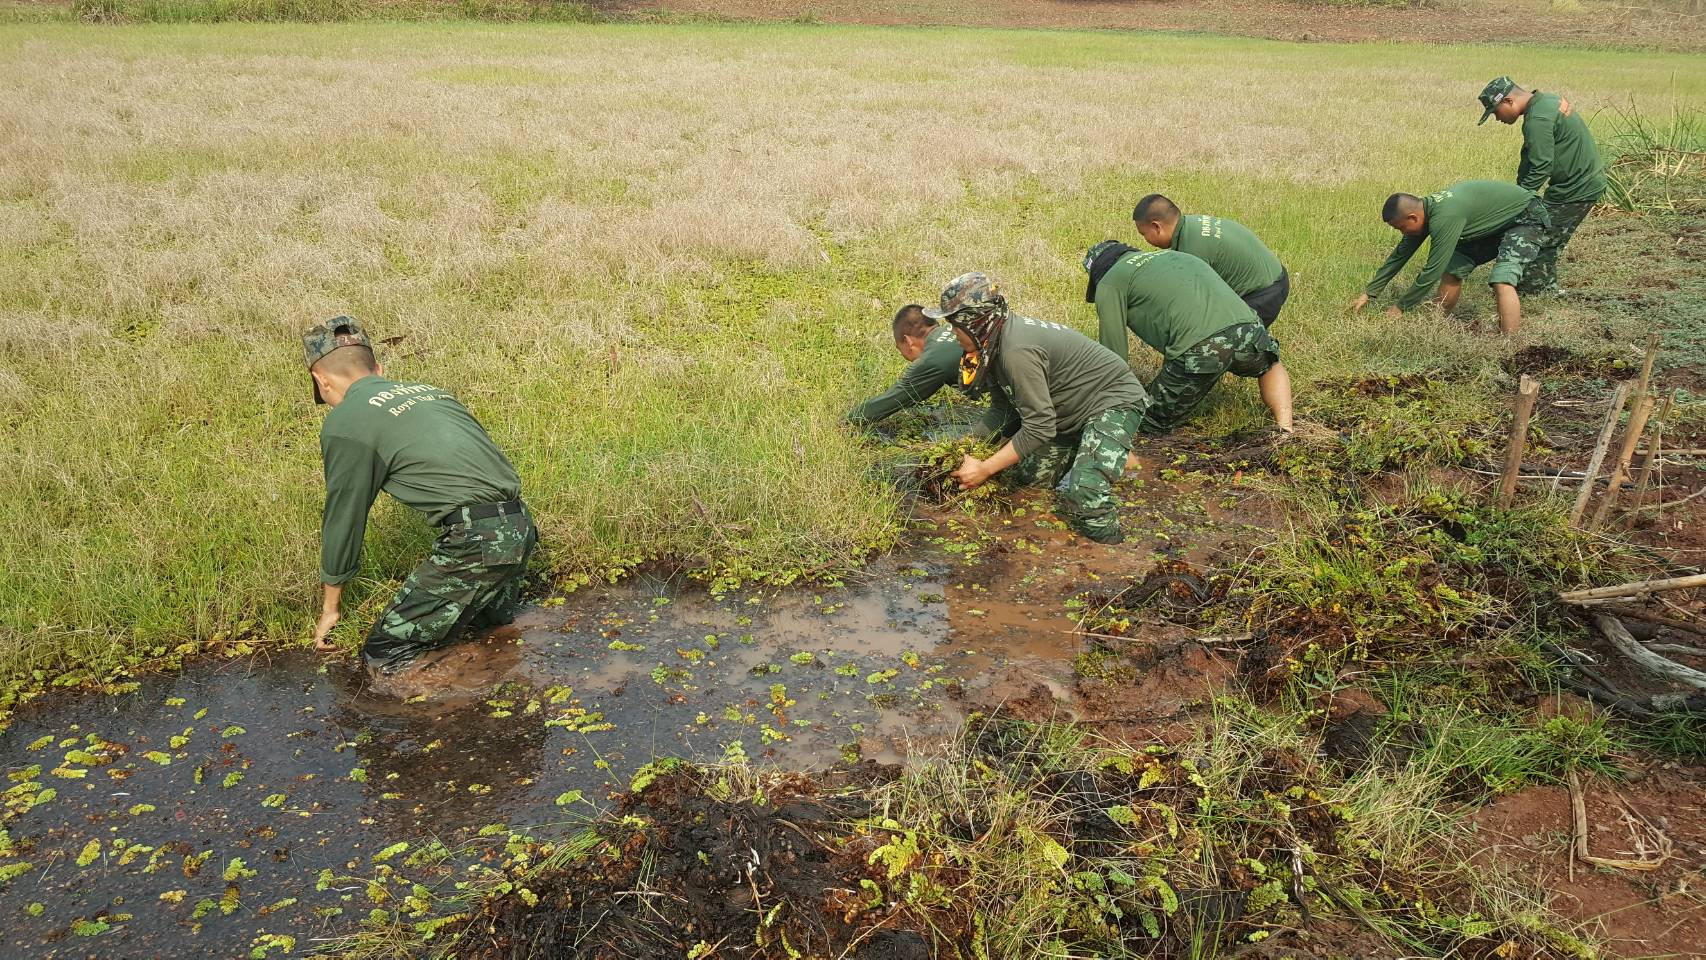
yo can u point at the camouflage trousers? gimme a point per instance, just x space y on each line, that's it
472 578
1244 349
1511 252
1083 469
1542 275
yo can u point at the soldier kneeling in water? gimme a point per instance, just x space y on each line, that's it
417 443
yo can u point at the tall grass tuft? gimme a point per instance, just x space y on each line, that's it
1658 162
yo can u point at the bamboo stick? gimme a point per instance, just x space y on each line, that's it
1618 398
1654 449
1631 439
1634 589
1528 390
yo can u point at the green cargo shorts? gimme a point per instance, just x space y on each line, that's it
1083 468
1510 252
1244 349
472 578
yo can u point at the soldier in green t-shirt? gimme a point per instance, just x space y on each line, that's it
1178 305
1235 253
934 362
1465 225
1560 154
1065 406
417 443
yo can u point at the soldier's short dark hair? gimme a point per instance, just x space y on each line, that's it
351 361
1155 207
1397 205
910 321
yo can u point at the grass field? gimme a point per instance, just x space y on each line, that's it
657 261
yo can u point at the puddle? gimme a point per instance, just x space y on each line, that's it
231 802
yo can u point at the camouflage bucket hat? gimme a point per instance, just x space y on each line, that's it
969 291
1492 93
323 338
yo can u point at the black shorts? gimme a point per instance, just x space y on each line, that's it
1268 300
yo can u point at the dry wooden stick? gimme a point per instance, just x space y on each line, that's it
1579 817
1635 589
1618 398
1528 390
1647 366
1654 449
1678 648
1687 626
1646 659
1631 439
1661 506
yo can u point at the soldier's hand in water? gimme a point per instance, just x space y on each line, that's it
323 629
1360 302
971 473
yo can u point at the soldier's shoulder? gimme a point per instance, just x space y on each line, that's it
1544 106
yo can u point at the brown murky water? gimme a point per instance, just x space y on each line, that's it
216 809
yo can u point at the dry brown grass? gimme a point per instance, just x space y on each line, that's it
658 262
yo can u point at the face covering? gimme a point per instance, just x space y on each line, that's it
983 329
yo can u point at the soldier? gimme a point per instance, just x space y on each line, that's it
1067 408
1466 225
1177 304
1558 153
417 443
1237 256
934 362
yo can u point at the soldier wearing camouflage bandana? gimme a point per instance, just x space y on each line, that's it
1560 154
1068 408
417 443
1177 304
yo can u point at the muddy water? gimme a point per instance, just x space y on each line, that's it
217 808
294 766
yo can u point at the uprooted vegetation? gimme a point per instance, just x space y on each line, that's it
1024 841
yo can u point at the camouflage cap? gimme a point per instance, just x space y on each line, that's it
968 291
1492 93
323 338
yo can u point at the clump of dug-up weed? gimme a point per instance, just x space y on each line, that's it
935 473
1381 423
1428 575
1018 841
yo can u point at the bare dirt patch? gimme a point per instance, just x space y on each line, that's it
1642 914
1596 25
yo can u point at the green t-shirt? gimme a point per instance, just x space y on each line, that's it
1049 380
415 442
937 367
1171 300
1465 211
1559 149
1242 260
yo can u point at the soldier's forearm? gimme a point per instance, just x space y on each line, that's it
1001 459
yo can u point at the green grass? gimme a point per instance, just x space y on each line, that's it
657 261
